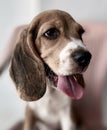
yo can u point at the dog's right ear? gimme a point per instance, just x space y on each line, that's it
27 69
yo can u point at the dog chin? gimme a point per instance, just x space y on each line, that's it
70 84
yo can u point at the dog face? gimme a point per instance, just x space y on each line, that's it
54 46
58 42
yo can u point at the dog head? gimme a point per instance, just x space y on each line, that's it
51 46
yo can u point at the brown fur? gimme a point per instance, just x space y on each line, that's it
27 70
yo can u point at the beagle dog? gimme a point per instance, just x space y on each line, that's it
47 66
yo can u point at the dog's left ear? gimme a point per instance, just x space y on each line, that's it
27 69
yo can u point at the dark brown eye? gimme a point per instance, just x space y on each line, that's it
52 34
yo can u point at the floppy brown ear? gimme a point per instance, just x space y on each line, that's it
27 69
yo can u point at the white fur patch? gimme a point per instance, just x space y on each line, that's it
66 121
66 63
74 44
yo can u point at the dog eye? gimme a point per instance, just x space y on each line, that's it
51 34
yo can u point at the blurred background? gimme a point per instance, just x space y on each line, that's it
18 12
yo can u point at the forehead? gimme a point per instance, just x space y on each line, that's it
49 16
55 16
58 19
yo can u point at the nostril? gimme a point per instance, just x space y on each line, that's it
82 58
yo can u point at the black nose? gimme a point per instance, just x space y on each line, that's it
81 57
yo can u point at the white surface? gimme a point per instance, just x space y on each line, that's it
14 13
11 107
80 9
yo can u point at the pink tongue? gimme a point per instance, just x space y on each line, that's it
70 86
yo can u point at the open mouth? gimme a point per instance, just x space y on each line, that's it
71 85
